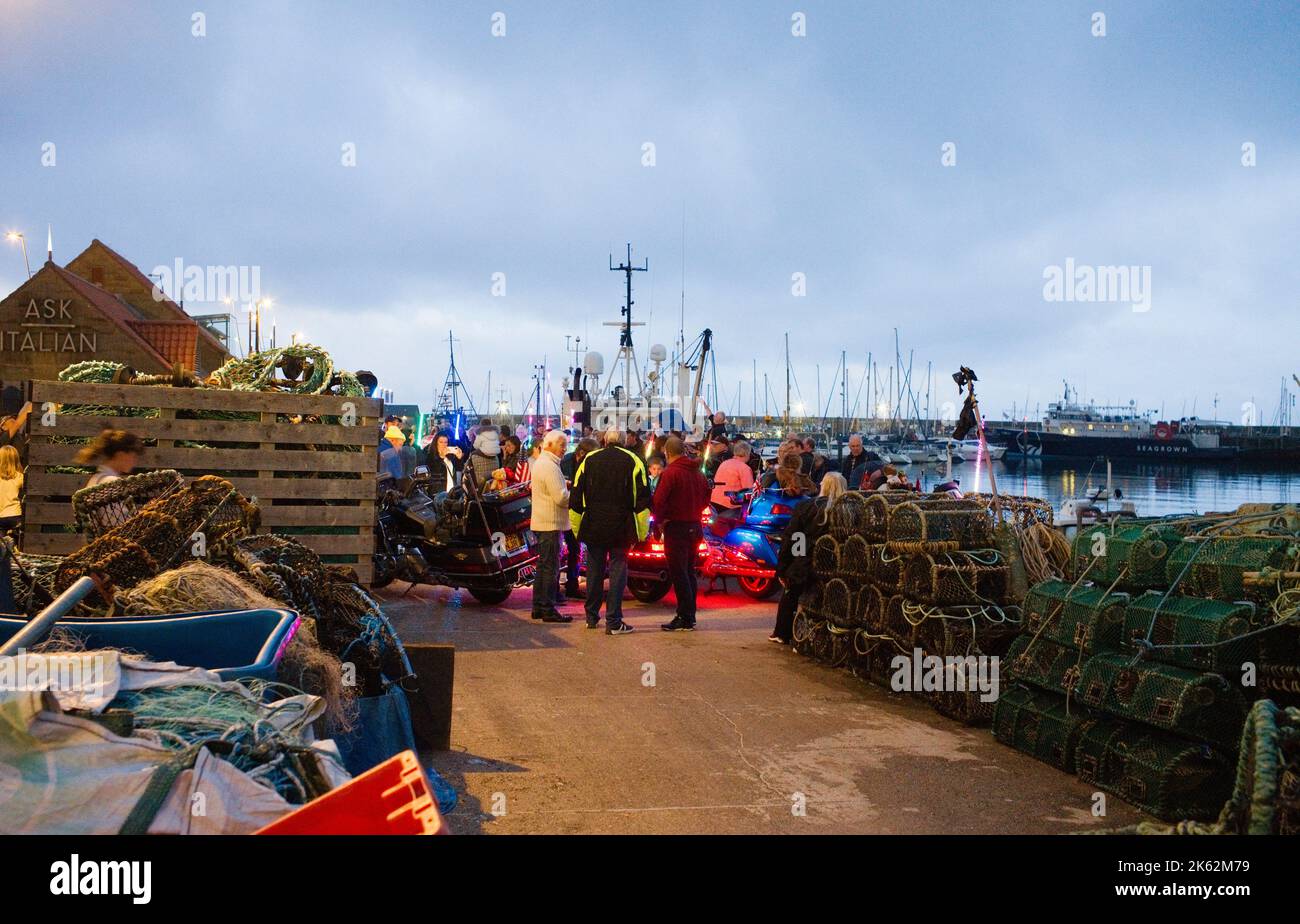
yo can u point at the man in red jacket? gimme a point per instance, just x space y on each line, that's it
678 502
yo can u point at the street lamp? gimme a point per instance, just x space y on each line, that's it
18 236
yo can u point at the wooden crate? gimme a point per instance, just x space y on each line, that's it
313 481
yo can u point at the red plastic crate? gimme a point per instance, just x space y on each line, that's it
392 798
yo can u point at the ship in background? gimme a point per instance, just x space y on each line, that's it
1071 428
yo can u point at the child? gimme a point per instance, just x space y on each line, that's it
11 489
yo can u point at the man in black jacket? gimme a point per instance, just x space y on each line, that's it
854 465
609 507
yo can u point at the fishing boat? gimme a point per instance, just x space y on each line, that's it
1088 509
1072 428
971 449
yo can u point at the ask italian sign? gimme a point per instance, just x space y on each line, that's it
48 326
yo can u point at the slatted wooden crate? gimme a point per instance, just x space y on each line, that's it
314 481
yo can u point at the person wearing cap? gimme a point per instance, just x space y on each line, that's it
391 459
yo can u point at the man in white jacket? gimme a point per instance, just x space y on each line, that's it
550 520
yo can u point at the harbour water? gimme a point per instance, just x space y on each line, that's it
1156 490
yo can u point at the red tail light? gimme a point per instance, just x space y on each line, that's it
781 509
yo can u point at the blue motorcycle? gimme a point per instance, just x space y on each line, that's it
744 542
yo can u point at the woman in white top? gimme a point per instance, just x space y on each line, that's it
444 464
11 489
116 452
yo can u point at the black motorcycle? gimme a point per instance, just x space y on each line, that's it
482 544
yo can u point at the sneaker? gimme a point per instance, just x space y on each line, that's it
678 625
777 639
621 629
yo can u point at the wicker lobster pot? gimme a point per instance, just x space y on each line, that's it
826 557
1037 723
876 508
1019 510
105 506
871 659
939 526
849 515
1081 617
1202 706
1163 774
839 603
810 601
898 625
1044 663
871 607
956 578
856 559
967 634
1190 632
886 568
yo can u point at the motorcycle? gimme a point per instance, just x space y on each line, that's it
647 565
481 543
744 542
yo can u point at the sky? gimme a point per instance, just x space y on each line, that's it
914 165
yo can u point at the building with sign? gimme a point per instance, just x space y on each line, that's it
98 306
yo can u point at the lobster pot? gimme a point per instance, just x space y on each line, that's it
805 631
826 557
872 659
871 609
839 646
957 578
1202 634
886 569
971 649
939 526
204 517
838 603
1214 567
875 512
1081 617
1160 773
1134 555
1019 510
105 506
1037 723
849 515
897 624
1202 706
1043 663
856 558
810 602
1280 683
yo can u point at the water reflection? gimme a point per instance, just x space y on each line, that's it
1155 489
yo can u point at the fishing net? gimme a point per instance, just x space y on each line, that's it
856 558
306 369
957 578
1038 723
105 506
1132 557
875 513
939 526
1203 706
195 586
1045 664
826 557
1082 617
200 519
1158 772
848 516
1191 632
1216 567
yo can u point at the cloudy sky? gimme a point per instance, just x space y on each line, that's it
821 155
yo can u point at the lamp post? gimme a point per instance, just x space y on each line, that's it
18 236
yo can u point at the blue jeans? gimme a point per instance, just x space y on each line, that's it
546 581
596 571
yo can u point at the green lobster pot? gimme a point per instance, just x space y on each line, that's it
1082 617
1202 706
1191 632
1215 568
1037 723
1160 773
1043 663
1134 555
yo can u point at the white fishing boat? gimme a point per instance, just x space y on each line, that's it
1103 504
971 450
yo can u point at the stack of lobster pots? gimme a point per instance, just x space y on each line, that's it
903 579
1137 674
